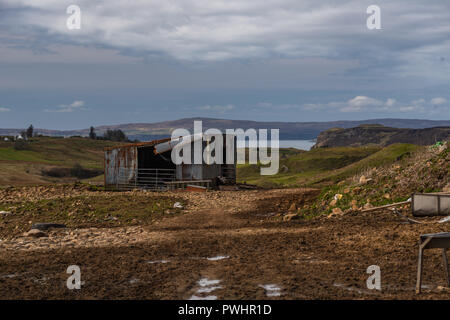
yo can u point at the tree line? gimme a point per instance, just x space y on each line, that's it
111 135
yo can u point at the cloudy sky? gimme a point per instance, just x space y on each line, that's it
284 60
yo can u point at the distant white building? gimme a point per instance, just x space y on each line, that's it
19 137
6 139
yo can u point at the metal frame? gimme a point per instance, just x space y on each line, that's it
430 241
438 196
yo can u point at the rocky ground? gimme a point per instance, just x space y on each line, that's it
220 245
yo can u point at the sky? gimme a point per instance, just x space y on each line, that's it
273 60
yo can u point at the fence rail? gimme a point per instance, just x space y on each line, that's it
152 179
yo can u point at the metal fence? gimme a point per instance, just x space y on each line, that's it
152 179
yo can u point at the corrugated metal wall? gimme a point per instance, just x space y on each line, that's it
120 162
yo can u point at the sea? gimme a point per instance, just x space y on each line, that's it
297 144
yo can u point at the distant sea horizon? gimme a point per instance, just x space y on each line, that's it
296 144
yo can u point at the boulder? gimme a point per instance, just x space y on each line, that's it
35 233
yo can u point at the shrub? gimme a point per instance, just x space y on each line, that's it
21 145
81 173
57 172
76 171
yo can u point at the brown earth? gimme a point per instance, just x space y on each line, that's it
321 258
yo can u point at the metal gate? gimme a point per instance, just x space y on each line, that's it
151 179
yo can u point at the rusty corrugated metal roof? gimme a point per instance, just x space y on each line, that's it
139 144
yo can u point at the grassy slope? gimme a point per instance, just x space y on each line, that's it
425 170
324 166
24 166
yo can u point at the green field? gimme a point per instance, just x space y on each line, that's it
43 153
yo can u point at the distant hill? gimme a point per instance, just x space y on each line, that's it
380 135
288 130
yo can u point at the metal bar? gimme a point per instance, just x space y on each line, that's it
422 245
444 257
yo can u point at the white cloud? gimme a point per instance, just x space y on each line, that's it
368 104
199 30
390 102
4 109
76 105
438 101
360 103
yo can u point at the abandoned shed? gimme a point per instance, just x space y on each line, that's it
149 165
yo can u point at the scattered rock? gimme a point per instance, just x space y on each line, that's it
293 207
446 188
35 233
336 212
368 205
291 216
337 196
177 205
364 180
444 220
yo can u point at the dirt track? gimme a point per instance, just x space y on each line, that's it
249 248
